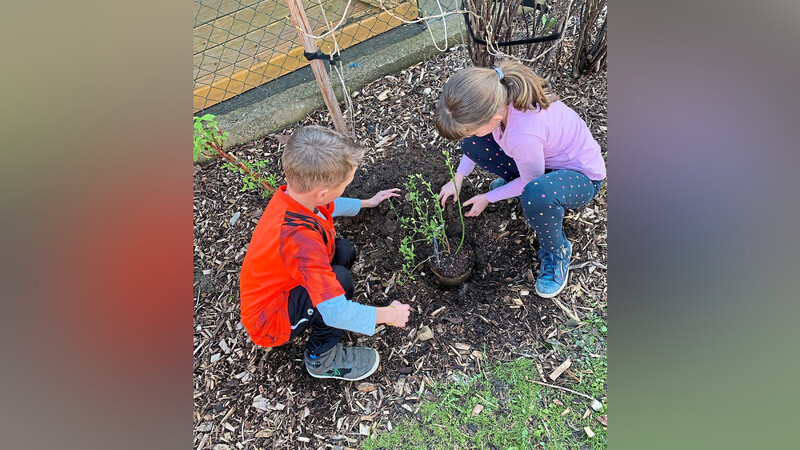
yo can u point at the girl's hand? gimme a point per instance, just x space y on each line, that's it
379 197
451 189
479 203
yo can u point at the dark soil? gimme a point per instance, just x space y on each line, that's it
263 398
450 268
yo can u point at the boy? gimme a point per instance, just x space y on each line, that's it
296 273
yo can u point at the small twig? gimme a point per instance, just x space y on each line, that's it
433 314
421 263
487 401
586 263
565 389
202 442
569 313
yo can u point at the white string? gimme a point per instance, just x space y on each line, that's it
496 52
391 13
444 22
330 30
491 48
337 50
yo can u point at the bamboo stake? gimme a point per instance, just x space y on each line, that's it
317 66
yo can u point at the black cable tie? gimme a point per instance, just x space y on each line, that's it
533 40
319 55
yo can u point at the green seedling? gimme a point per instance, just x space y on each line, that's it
458 200
208 143
424 224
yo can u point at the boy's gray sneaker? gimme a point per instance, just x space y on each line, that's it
343 363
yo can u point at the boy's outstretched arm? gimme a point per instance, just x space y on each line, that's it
379 197
339 312
345 206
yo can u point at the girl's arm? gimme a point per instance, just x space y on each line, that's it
465 167
529 157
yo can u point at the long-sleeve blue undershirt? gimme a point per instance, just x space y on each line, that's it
344 206
339 312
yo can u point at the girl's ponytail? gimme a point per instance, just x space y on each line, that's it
526 90
472 96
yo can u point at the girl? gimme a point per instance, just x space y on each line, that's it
511 125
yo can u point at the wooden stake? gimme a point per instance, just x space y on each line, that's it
317 66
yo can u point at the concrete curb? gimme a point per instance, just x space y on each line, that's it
281 109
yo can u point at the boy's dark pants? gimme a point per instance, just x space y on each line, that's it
303 314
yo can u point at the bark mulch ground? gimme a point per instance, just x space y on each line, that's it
251 397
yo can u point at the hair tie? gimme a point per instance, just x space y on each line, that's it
499 73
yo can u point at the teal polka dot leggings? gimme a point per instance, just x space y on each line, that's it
544 199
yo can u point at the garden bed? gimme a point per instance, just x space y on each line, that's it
263 398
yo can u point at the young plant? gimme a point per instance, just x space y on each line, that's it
458 200
427 214
208 142
407 250
424 224
407 246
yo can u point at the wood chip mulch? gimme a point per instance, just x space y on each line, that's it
247 397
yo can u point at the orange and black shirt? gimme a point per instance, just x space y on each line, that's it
291 246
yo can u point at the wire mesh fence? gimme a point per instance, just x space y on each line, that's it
242 44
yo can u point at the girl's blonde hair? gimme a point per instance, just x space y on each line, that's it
318 156
473 95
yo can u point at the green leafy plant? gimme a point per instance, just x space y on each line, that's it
548 25
458 200
208 143
427 215
427 218
407 250
424 224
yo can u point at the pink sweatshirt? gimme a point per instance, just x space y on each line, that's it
553 138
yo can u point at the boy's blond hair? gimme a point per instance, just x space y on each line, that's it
316 156
473 95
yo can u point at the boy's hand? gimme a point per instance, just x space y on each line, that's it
397 314
479 203
379 197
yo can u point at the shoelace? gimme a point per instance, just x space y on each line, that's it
548 269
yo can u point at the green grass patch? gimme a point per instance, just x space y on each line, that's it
517 413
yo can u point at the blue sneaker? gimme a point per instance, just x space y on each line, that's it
497 183
553 271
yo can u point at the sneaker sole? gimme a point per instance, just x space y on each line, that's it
370 372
